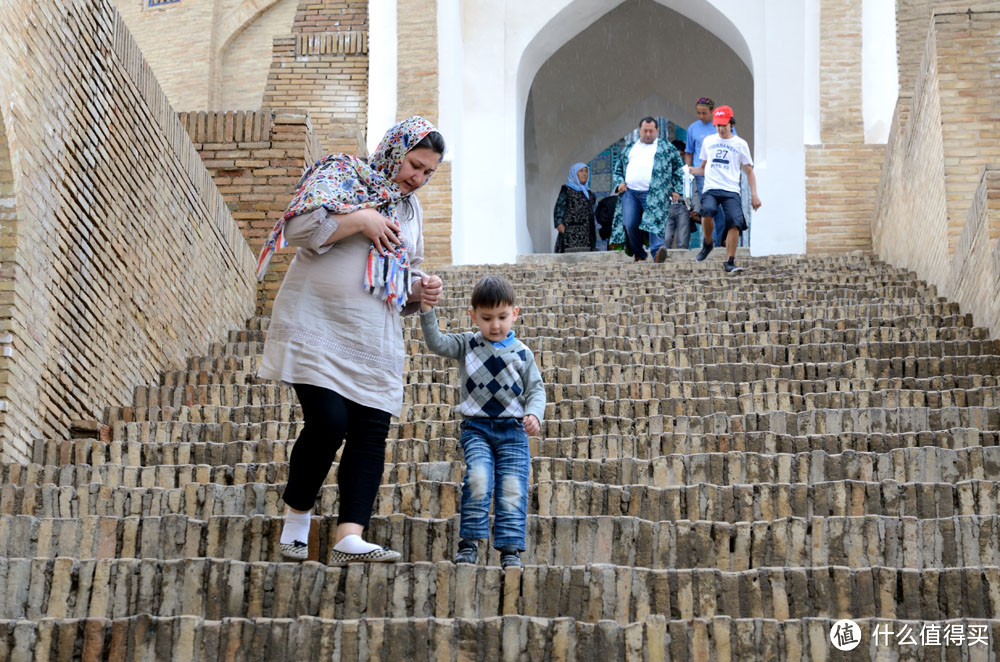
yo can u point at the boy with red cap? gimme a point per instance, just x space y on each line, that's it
722 157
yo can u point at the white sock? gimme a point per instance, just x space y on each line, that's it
296 528
353 544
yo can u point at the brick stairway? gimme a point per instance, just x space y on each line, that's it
729 465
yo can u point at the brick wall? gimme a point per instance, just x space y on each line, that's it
256 158
9 275
327 74
417 94
246 59
123 259
975 265
912 20
331 16
840 179
176 40
935 204
841 120
840 173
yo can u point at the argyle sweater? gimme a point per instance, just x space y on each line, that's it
496 382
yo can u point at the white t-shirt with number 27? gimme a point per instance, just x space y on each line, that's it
723 161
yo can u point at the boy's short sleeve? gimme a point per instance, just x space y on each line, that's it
745 158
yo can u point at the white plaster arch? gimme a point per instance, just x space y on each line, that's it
503 47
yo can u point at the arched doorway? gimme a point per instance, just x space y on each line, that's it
499 50
641 58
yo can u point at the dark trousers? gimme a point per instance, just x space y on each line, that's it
329 420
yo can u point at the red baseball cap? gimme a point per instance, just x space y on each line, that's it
722 115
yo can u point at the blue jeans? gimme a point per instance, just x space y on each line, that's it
496 456
720 221
633 205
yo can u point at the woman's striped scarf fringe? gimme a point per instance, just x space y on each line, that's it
388 276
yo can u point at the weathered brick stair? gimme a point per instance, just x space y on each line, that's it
728 466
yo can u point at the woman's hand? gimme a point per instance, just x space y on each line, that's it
431 291
560 228
531 425
383 231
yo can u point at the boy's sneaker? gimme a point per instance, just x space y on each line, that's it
732 268
661 255
510 558
467 553
705 250
295 550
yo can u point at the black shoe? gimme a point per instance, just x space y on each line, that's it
661 255
705 250
468 552
510 560
732 268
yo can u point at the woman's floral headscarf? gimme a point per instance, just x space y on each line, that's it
342 183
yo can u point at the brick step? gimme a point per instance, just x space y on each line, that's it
717 503
927 464
861 327
209 422
269 393
625 337
717 639
243 370
699 322
625 307
723 307
216 588
425 441
558 412
659 340
608 448
873 540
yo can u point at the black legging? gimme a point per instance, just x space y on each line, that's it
329 419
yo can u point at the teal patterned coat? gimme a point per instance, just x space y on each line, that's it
668 177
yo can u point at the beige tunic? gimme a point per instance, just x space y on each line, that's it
326 330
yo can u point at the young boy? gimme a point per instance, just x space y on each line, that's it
722 158
502 401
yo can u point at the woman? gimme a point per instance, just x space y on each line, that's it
574 212
335 332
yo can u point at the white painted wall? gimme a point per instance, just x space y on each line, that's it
382 70
879 69
505 42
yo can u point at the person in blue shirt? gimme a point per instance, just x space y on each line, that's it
696 135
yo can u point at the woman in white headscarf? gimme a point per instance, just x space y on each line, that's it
573 216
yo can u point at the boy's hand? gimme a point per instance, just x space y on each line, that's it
531 425
755 202
431 292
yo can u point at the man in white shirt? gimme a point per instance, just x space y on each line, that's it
648 177
723 156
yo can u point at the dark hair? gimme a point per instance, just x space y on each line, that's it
705 101
433 141
679 144
492 291
646 120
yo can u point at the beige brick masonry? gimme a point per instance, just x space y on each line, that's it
114 231
935 211
256 159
